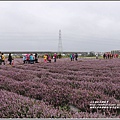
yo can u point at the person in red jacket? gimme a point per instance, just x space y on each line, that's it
55 57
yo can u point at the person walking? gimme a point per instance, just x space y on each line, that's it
3 59
10 59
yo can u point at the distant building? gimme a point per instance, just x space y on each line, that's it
115 52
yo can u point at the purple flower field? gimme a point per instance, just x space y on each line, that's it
64 89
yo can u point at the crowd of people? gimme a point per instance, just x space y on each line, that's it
2 59
47 58
109 55
74 56
31 59
27 59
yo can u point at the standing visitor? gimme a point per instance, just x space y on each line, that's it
49 58
116 55
27 58
45 58
108 55
104 55
36 58
0 58
31 58
76 56
96 56
55 57
10 59
24 59
71 57
3 59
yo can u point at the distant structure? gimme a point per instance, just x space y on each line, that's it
115 52
60 43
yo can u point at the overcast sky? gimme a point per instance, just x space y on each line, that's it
35 25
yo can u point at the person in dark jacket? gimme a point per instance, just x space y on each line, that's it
36 58
76 56
10 59
104 55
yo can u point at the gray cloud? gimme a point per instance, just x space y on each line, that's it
34 25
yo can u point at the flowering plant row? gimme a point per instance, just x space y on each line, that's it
61 85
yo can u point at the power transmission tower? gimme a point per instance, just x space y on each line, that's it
60 43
